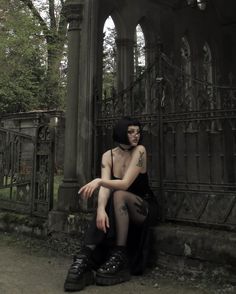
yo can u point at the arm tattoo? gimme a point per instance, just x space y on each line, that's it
140 160
103 165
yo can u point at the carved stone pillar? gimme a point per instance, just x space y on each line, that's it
125 62
60 218
67 196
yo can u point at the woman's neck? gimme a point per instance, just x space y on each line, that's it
125 147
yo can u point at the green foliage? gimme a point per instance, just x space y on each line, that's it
31 55
21 59
139 51
109 62
110 57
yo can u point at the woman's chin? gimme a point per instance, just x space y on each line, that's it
134 144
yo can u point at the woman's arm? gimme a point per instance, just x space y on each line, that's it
138 161
136 165
104 193
102 220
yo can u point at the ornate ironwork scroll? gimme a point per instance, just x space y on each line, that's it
26 171
16 170
44 171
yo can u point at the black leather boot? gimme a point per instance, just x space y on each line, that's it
80 273
115 270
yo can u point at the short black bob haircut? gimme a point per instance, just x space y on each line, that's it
120 130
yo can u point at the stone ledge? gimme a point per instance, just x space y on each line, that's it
194 249
177 248
74 223
24 224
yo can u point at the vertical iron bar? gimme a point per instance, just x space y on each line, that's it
51 159
186 154
33 177
222 156
161 134
11 161
197 154
210 157
174 154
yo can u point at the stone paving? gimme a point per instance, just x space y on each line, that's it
28 267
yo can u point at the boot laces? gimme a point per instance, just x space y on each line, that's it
116 259
80 264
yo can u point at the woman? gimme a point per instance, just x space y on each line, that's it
126 207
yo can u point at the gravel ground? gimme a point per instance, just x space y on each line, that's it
32 266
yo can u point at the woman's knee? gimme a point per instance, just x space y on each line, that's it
118 196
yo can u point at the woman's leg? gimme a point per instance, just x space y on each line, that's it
80 273
128 207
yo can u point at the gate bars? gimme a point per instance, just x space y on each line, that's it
26 171
189 130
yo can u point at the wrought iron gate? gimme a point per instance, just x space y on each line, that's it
26 171
190 134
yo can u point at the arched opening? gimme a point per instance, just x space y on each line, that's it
109 84
139 51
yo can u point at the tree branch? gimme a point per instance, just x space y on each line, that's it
37 15
52 14
62 27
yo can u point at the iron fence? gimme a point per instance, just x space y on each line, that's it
26 171
189 130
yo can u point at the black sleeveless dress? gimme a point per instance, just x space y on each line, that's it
138 236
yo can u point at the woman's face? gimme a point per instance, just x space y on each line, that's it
133 135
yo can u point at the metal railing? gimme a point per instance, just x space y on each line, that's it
189 130
26 171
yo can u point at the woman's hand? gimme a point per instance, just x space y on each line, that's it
102 220
87 190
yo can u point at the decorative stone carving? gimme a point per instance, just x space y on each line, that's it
74 13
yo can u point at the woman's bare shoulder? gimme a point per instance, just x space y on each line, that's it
106 157
140 148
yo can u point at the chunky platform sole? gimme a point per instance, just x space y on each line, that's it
108 280
73 284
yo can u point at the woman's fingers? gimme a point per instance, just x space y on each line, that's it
86 191
101 225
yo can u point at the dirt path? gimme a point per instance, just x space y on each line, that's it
27 267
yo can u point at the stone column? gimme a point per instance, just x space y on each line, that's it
67 196
87 98
125 62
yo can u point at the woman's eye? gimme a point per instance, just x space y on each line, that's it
132 132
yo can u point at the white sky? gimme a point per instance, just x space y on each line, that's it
108 24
